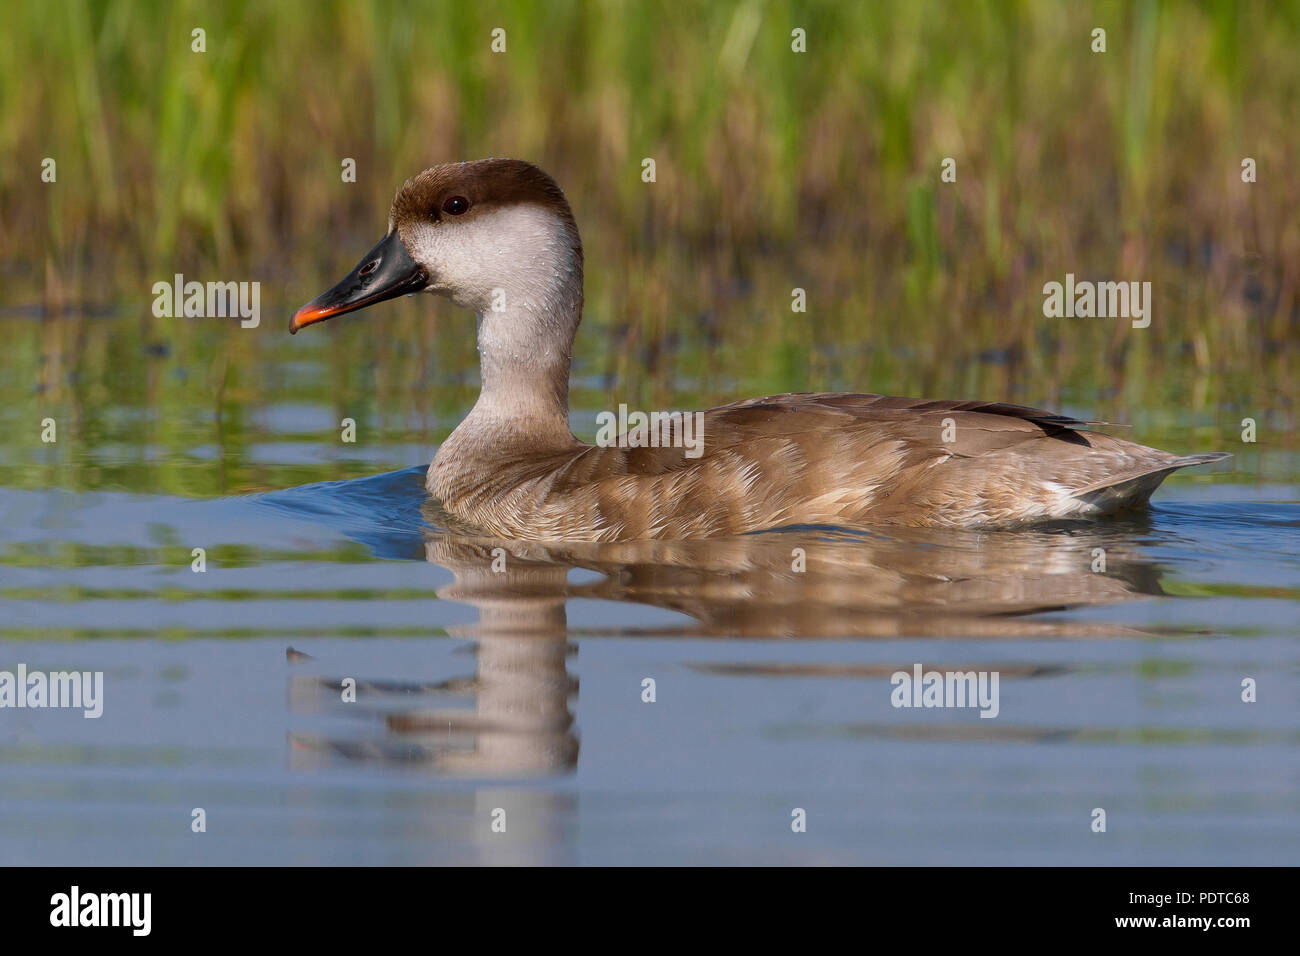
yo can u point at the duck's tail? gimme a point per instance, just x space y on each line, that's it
1132 489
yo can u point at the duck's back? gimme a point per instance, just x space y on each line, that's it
821 459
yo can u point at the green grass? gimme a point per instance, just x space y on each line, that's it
775 170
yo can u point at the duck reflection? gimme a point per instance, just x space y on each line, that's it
830 583
512 717
516 721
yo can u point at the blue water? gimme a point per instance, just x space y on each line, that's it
520 691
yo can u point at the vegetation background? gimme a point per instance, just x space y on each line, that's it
775 170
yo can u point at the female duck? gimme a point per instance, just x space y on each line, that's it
498 237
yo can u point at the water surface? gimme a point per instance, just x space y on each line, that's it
520 690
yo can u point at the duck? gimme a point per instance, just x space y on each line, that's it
499 238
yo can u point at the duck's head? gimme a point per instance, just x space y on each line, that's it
491 235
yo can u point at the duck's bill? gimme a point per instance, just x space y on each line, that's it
385 272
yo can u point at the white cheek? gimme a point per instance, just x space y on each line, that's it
517 252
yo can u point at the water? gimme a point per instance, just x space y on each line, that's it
480 693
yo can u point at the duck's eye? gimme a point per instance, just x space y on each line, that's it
456 205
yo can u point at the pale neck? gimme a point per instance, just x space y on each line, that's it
524 354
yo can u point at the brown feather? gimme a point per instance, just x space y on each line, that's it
835 459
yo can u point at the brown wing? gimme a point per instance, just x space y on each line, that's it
1005 418
830 418
837 459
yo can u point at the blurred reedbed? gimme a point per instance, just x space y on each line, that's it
775 170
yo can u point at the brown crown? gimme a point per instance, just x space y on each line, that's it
485 183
